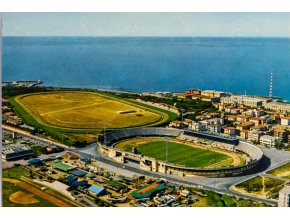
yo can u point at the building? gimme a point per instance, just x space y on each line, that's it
259 113
217 128
184 193
17 152
278 106
213 94
95 190
243 100
282 134
210 99
243 118
275 117
285 121
244 133
214 115
284 197
5 101
85 159
254 136
194 91
230 131
175 123
213 125
246 125
232 110
262 127
63 167
258 120
232 118
268 141
13 121
188 123
200 126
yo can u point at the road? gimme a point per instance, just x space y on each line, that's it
220 185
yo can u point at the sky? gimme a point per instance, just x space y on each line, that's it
147 24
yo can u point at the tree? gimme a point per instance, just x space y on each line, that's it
278 145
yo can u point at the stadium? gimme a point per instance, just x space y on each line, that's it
191 153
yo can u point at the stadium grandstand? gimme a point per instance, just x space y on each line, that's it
252 154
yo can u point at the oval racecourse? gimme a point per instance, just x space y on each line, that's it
88 110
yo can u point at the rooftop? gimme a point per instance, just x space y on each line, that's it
15 149
96 189
62 166
285 190
229 127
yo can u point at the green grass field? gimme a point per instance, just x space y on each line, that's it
178 153
282 171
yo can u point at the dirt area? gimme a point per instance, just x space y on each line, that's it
22 198
37 192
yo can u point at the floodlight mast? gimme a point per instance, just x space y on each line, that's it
166 152
105 139
181 111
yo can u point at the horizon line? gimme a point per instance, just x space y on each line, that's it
145 36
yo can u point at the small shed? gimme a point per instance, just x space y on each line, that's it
36 161
90 175
78 173
96 190
79 183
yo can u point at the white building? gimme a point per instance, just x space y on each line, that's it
285 121
213 93
213 125
268 141
245 100
278 106
284 197
200 126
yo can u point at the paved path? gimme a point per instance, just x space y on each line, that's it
276 177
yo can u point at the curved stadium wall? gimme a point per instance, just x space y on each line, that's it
108 141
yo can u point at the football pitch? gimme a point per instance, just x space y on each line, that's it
85 110
178 153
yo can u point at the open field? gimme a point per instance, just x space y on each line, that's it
81 110
73 117
188 155
282 171
261 186
10 199
20 191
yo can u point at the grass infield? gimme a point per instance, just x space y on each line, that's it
178 153
75 115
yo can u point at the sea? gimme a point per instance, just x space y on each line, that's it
151 64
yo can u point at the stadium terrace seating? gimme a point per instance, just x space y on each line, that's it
252 153
114 136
